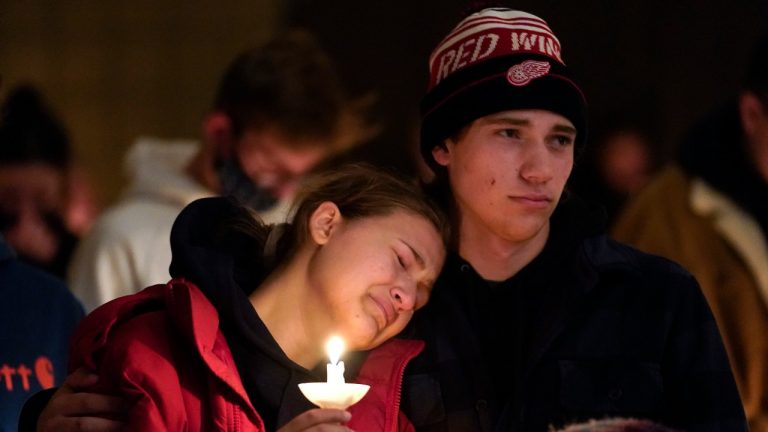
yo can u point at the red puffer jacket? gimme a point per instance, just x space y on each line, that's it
162 348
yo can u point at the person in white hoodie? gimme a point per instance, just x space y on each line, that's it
279 111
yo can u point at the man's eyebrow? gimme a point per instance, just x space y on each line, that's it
564 128
517 121
514 121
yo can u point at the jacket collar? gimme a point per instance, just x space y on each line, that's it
198 321
383 370
736 226
6 253
716 151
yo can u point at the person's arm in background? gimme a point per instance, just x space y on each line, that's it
73 408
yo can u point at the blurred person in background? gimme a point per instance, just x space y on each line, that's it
35 179
279 111
616 167
38 315
709 211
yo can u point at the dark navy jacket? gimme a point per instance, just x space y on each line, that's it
37 317
590 329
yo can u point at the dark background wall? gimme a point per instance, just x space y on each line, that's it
118 69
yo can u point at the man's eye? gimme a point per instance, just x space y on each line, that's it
564 140
401 261
509 133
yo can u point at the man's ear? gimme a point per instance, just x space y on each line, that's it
750 111
442 152
218 134
324 222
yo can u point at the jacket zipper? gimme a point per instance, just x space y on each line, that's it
399 389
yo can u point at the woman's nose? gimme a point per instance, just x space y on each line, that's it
404 297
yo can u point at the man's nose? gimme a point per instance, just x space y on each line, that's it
537 164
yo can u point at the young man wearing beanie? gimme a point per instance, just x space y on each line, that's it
538 319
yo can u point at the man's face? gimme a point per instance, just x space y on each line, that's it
757 133
30 195
625 162
275 162
507 172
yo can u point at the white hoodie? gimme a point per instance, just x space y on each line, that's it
128 247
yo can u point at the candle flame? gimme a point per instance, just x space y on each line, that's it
334 348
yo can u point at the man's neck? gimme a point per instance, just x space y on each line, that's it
201 169
496 258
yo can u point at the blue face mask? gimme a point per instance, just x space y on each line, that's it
235 183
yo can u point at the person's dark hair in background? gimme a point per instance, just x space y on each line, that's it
289 84
35 158
289 88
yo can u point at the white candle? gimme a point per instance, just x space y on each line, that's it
335 369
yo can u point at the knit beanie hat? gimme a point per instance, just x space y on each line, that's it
496 60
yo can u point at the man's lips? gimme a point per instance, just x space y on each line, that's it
532 200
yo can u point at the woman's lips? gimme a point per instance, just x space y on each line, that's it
387 310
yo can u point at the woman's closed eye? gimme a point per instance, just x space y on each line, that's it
406 257
402 260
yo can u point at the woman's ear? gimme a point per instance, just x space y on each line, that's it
323 222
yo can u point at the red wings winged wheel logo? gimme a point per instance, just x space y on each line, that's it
523 73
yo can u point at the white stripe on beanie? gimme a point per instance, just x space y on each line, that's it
479 37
